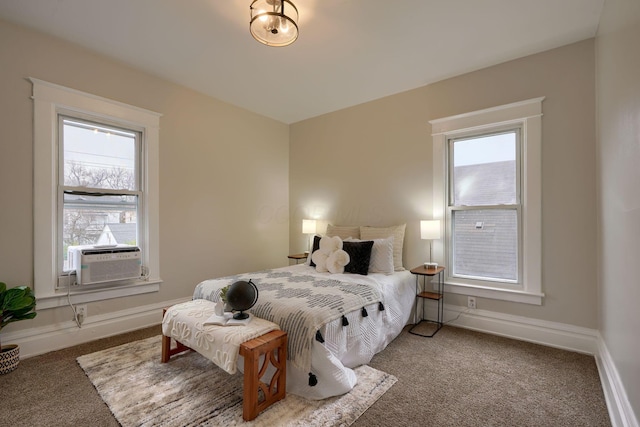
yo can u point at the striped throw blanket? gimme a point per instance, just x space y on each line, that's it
299 303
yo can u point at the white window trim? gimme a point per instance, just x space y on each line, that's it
48 101
527 114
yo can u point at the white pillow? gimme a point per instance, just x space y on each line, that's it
343 231
317 236
381 255
397 232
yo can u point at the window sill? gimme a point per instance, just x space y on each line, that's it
494 293
59 298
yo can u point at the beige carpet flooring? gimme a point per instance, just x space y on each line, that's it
458 378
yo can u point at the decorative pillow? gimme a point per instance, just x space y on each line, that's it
337 261
381 255
359 254
343 232
330 257
315 247
370 233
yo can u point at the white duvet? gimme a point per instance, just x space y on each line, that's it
347 347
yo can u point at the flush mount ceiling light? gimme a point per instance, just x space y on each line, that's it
274 22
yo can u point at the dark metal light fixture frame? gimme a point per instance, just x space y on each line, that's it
274 22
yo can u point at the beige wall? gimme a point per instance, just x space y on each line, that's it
230 179
372 164
223 171
618 153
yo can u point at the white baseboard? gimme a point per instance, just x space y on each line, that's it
44 339
620 410
552 334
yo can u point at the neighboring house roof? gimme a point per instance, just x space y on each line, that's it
486 183
485 241
118 233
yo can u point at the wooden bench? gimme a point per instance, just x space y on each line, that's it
257 395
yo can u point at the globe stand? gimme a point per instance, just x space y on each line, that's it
240 316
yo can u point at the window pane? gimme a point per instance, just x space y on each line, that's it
485 243
98 220
98 156
484 170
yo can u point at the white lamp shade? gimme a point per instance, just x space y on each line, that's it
308 226
430 229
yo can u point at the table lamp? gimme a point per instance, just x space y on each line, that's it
430 230
309 227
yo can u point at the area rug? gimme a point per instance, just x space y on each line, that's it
191 391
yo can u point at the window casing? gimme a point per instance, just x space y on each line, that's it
487 189
91 184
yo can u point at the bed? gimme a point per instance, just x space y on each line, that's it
335 321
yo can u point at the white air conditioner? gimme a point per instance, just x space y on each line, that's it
101 264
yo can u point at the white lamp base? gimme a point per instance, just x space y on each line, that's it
431 265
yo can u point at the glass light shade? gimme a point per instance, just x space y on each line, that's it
274 22
308 226
430 230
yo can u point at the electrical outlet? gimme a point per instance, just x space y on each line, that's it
81 313
471 302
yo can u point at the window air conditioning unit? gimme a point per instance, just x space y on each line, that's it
109 263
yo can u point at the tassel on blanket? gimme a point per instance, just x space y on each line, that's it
364 312
345 322
319 337
313 380
380 306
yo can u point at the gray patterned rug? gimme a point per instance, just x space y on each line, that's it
191 391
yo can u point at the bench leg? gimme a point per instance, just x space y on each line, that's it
273 345
167 351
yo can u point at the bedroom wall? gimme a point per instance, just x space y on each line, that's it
223 172
372 164
618 153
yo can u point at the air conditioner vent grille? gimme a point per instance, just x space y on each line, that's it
102 265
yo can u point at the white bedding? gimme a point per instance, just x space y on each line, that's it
347 347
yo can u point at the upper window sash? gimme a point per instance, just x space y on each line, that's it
71 122
453 184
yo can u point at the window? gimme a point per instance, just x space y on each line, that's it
487 189
95 182
99 174
484 206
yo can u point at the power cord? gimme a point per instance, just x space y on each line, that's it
458 316
76 318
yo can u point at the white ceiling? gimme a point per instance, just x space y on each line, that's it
348 51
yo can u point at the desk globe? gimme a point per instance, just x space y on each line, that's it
242 296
